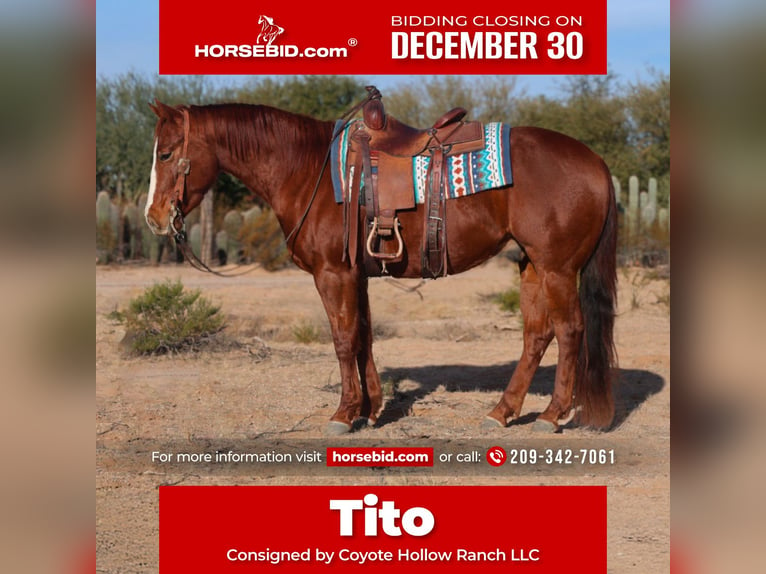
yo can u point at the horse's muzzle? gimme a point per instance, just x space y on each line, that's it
156 228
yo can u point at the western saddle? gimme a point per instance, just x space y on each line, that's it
382 150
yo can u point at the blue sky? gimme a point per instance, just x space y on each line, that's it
638 39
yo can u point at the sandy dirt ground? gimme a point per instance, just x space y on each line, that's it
444 353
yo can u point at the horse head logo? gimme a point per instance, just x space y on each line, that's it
269 30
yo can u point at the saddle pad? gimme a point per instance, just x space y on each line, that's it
470 173
467 173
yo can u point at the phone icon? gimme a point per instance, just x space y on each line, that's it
496 456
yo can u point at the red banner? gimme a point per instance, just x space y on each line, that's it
245 37
455 529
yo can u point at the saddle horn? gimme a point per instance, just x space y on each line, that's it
374 113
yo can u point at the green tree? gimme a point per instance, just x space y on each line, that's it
597 116
123 135
321 97
486 98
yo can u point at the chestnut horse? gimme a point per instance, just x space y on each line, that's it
560 210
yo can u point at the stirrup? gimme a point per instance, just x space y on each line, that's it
385 256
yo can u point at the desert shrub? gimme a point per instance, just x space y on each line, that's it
263 241
167 318
307 332
508 300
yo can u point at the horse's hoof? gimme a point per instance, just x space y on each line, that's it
337 428
359 424
544 426
490 423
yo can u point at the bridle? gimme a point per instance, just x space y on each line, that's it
179 190
177 223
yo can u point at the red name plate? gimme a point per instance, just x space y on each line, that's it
395 37
327 528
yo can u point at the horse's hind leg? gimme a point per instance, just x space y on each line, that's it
372 396
339 291
560 292
538 333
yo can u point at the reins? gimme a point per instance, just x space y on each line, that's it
184 167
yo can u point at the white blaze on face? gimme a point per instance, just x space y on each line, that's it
152 181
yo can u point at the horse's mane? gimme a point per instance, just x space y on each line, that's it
244 129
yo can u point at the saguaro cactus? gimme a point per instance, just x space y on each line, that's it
103 207
617 190
195 238
633 199
649 210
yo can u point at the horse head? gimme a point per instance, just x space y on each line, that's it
183 169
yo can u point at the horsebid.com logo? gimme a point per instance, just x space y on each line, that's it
269 30
265 48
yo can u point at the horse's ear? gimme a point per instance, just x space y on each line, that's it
164 111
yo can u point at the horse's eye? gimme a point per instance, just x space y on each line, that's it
165 156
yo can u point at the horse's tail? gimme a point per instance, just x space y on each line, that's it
597 362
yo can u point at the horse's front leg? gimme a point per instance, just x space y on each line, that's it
339 290
372 396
